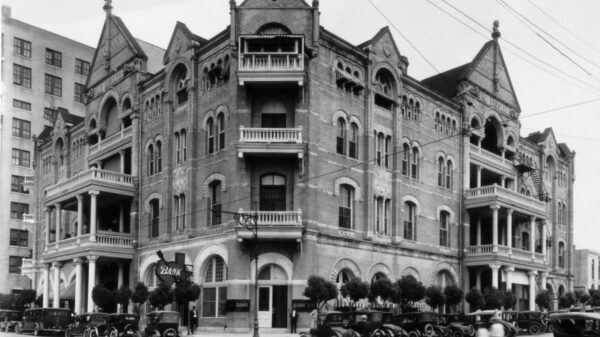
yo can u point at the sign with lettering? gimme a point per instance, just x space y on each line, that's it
495 104
173 271
237 305
303 305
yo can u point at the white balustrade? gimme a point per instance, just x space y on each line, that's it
111 140
103 238
91 174
490 156
271 135
495 190
479 250
271 62
521 254
114 239
274 218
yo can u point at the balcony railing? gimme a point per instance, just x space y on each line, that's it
271 135
103 176
110 240
273 218
271 62
505 251
507 194
491 157
111 140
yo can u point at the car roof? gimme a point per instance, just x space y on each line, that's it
483 313
576 315
163 312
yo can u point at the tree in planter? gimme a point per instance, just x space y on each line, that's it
184 293
594 300
585 298
160 296
139 296
563 302
7 301
103 298
122 296
509 300
320 291
493 298
454 295
434 297
543 299
408 290
355 289
475 299
571 298
381 289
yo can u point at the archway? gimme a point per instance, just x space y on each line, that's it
110 112
493 136
272 296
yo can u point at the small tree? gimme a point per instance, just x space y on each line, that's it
571 298
493 298
434 297
139 296
355 289
594 298
185 292
122 296
543 300
509 300
475 299
381 289
563 302
407 291
320 291
27 296
103 298
160 296
454 295
585 297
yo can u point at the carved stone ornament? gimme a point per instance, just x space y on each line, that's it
90 94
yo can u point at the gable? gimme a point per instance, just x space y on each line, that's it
181 40
274 4
489 65
383 47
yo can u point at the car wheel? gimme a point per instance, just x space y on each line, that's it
428 330
534 329
414 333
36 331
114 333
471 330
458 333
18 328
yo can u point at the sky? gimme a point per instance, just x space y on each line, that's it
548 75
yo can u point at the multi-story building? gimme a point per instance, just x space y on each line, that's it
41 72
586 269
350 166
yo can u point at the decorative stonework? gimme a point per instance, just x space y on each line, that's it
344 264
379 268
382 183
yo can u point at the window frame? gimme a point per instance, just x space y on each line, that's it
82 67
215 202
414 164
221 131
18 157
444 229
79 96
154 218
14 267
22 47
19 237
216 283
21 105
210 136
410 222
53 58
341 136
353 141
16 184
18 209
22 76
346 207
52 85
21 128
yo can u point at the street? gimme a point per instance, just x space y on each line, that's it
223 334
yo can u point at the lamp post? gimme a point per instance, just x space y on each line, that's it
249 222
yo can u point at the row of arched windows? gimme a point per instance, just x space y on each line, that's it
445 125
348 79
411 109
445 173
153 107
410 161
562 179
78 147
383 149
215 74
562 213
47 163
347 139
525 190
154 157
215 134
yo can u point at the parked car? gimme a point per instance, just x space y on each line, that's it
390 325
574 324
118 325
367 323
45 320
530 321
419 324
484 318
457 325
332 324
163 324
84 324
9 319
547 318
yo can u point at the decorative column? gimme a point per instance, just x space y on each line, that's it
478 279
46 289
122 161
509 234
78 277
79 215
503 181
543 280
93 213
91 281
121 219
495 209
532 235
56 285
58 226
48 226
509 271
532 275
120 275
479 168
543 227
495 268
478 231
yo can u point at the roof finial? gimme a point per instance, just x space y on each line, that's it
107 7
495 32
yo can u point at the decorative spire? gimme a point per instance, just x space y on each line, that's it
232 4
495 32
107 7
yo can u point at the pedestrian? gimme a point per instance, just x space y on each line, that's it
313 318
293 320
497 329
193 321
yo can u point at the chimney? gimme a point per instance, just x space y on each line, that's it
6 11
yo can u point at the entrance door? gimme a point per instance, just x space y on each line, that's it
280 314
265 308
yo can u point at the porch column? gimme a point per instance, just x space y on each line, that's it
78 277
503 181
495 268
543 281
79 215
509 234
532 235
120 275
509 271
478 231
56 285
58 226
532 275
121 219
478 279
91 281
495 209
479 168
48 226
122 161
93 213
46 289
544 242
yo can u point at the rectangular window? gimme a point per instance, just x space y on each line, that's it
14 264
79 93
19 237
53 58
21 128
154 225
82 67
49 114
222 300
16 184
20 158
53 85
17 210
21 105
444 230
209 301
386 216
21 75
22 47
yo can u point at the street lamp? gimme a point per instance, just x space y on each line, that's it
250 222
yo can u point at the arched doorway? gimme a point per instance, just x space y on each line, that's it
272 297
493 135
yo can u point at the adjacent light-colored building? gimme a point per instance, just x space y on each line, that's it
41 72
349 166
586 269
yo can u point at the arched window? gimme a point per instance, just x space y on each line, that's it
387 148
444 228
561 254
379 148
410 221
384 89
404 107
378 277
177 148
417 114
379 228
179 210
565 219
154 217
449 175
181 84
454 128
559 211
272 193
341 137
345 210
210 136
414 167
214 289
441 172
344 276
528 192
158 156
405 159
214 203
183 144
150 159
437 121
221 130
411 109
353 142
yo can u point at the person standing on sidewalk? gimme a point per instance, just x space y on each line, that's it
193 321
293 320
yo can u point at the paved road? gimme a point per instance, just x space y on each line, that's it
221 334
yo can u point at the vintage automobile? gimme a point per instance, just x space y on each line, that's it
419 324
84 324
367 323
390 325
45 320
331 324
456 324
9 319
118 325
163 324
484 318
532 322
574 324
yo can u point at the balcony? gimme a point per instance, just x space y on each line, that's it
91 179
110 143
486 195
486 254
484 156
270 141
271 58
103 243
274 225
